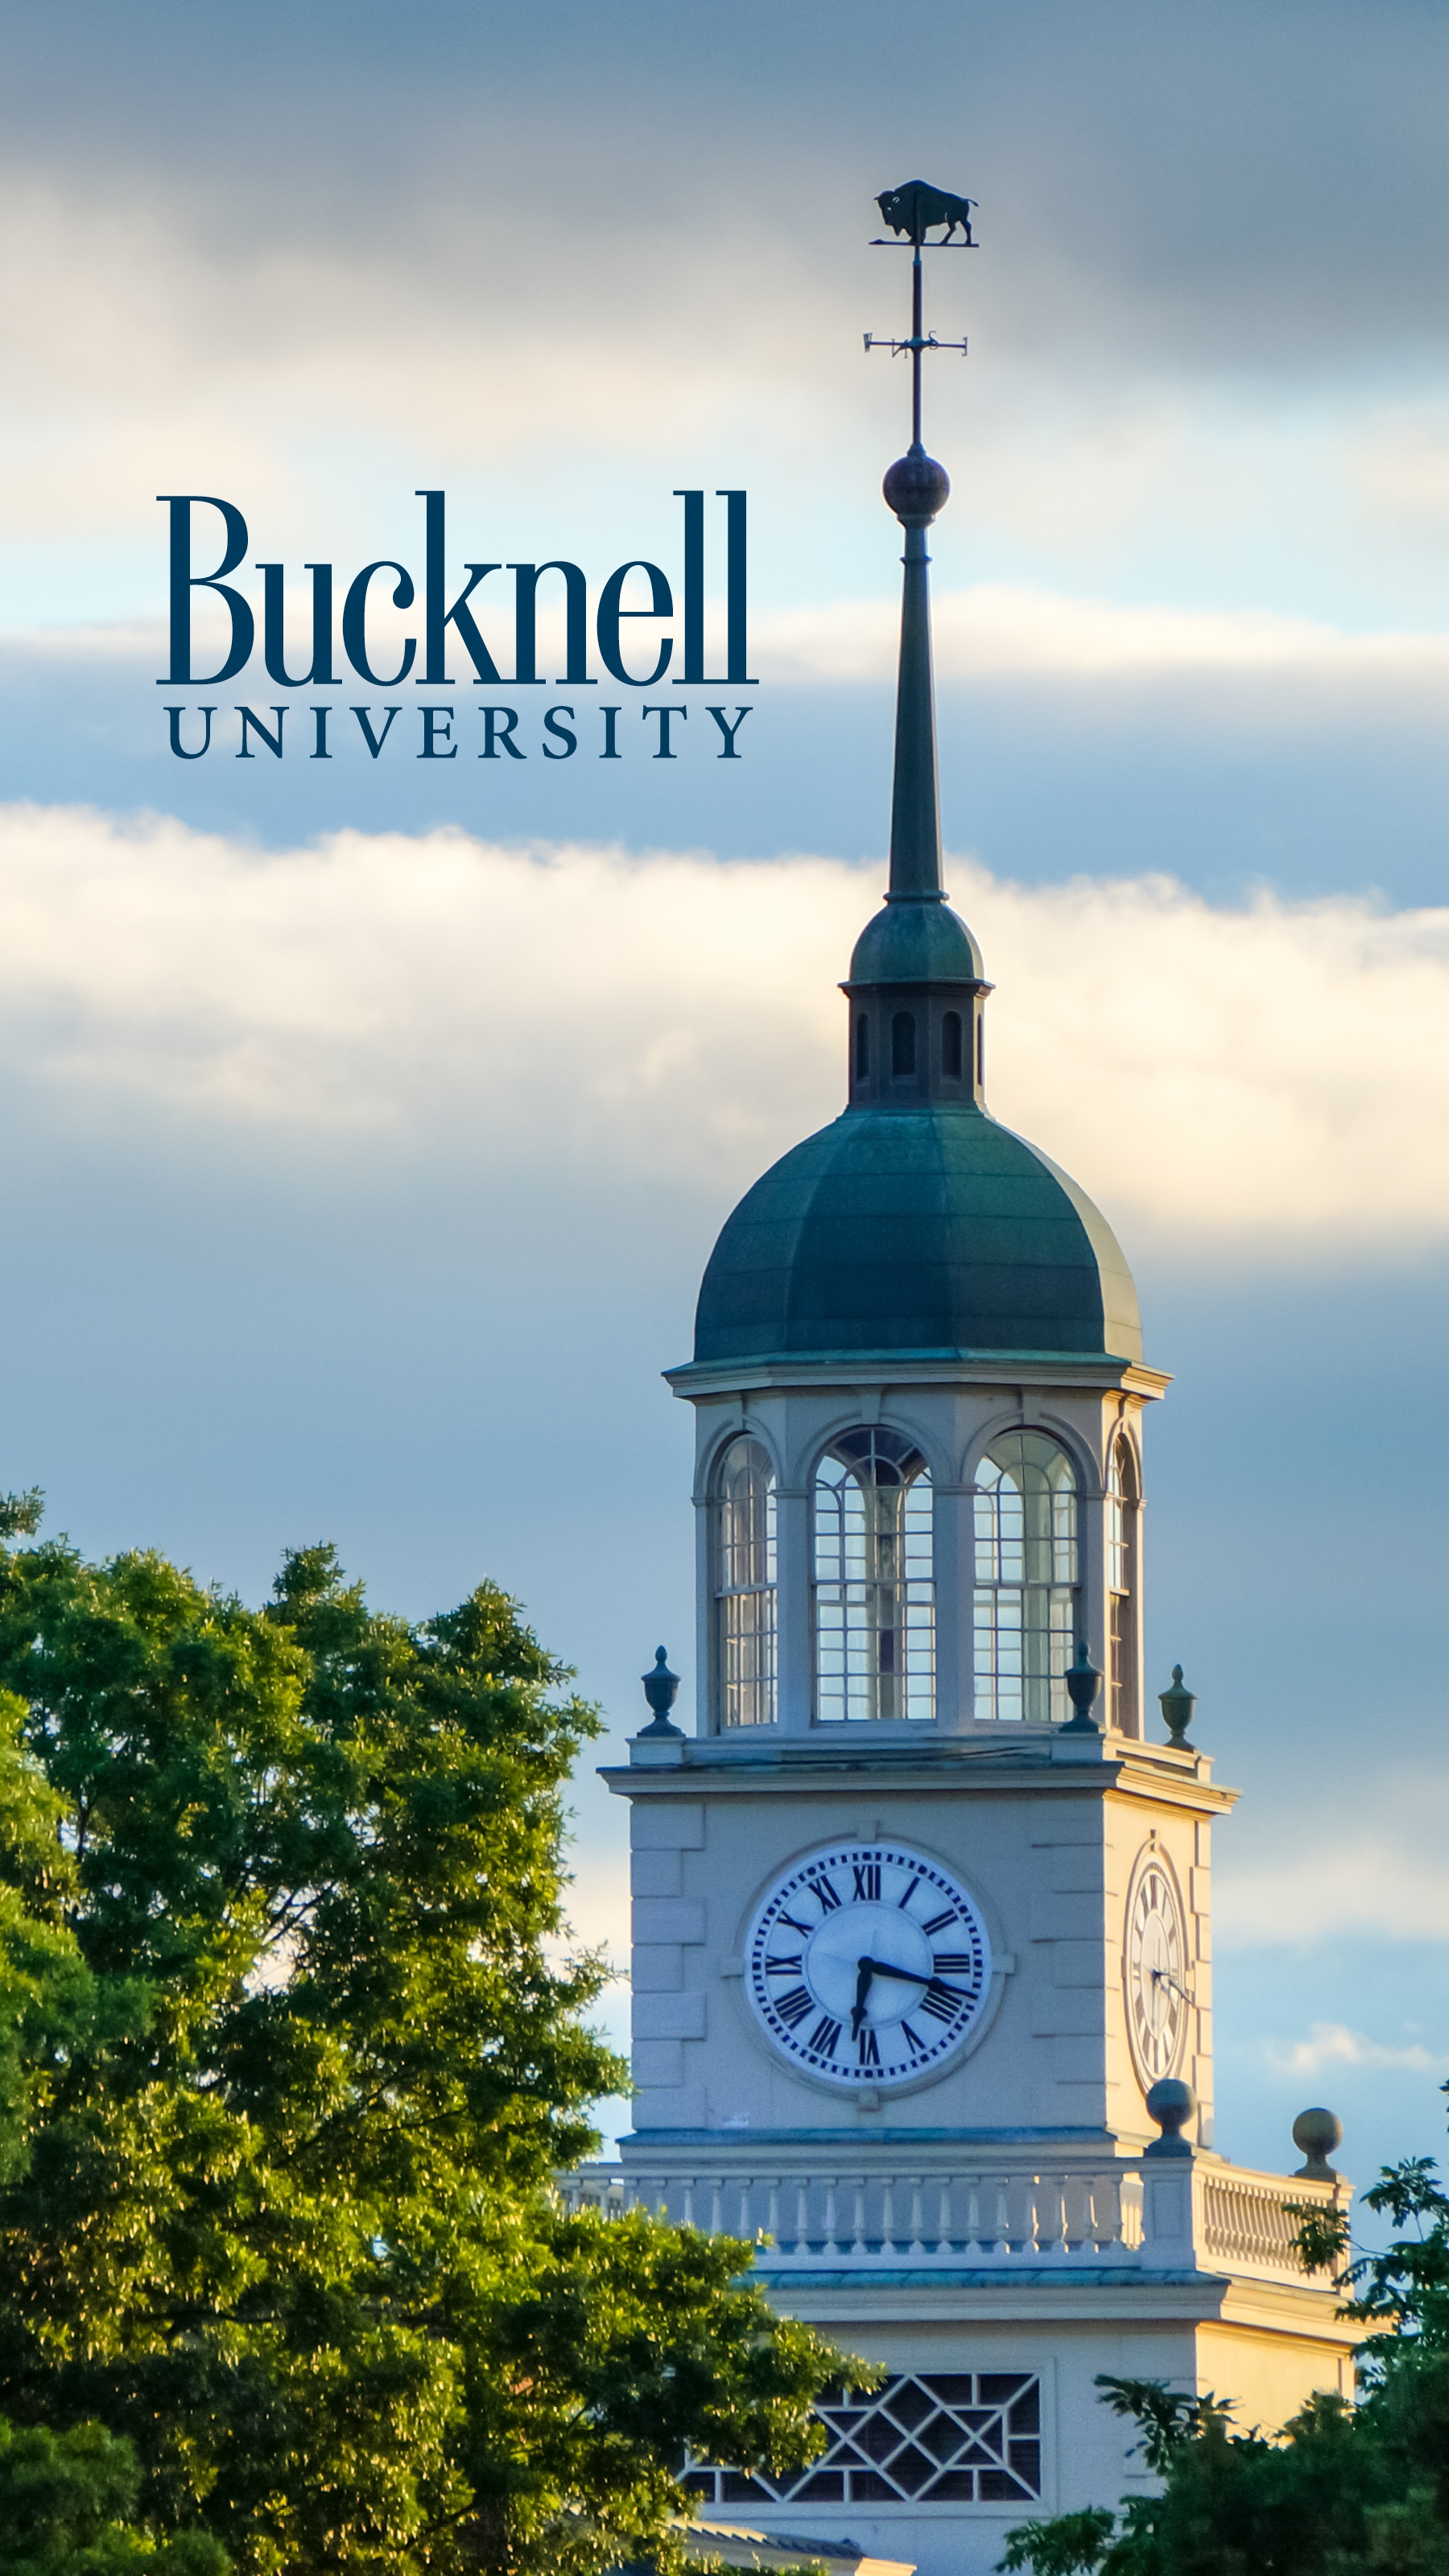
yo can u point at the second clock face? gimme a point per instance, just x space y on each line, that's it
867 1964
1158 1994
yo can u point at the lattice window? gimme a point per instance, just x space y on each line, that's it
874 1594
955 2437
1121 1587
1026 1578
745 1584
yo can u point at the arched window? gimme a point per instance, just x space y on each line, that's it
745 1585
1122 1501
903 1042
1026 1578
862 1047
951 1046
874 1597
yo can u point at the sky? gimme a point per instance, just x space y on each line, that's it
365 1124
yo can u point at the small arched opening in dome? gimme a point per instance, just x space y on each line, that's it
1123 1510
903 1045
951 1046
873 1593
744 1585
1027 1578
862 1046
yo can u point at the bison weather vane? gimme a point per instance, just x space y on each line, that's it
911 212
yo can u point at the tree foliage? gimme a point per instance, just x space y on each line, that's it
1341 2490
291 2043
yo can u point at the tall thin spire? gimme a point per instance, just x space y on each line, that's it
917 488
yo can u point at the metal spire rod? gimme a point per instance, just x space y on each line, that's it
916 488
913 210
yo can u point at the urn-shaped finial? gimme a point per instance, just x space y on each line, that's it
1177 1705
1083 1683
661 1688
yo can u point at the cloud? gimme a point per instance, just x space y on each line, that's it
1377 1884
1333 2044
1277 1072
1007 631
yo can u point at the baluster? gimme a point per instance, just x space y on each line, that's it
802 2220
716 2205
686 2185
858 2244
772 2222
943 2232
746 2186
917 2240
1055 2231
829 2246
974 2243
1003 2221
888 2215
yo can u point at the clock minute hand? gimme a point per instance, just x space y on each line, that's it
864 1971
905 1976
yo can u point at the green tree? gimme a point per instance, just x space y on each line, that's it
68 2504
1341 2490
294 2042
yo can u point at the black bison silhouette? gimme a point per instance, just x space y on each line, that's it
914 208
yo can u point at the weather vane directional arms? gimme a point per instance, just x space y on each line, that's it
911 212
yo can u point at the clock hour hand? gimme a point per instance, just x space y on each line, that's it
864 1971
1165 1977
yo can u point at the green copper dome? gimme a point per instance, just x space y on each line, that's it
916 943
928 1233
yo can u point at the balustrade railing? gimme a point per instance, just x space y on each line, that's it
1137 2212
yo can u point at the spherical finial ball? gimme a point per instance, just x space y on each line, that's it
1171 2104
1316 2133
916 487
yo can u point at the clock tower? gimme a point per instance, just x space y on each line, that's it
921 1961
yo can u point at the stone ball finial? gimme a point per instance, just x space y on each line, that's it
1171 2103
661 1688
1316 2133
916 488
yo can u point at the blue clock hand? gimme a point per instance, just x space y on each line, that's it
865 1970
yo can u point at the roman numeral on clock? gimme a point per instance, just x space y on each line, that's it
941 2002
794 1966
824 2036
867 1882
938 1922
822 1888
951 1962
794 2006
867 2048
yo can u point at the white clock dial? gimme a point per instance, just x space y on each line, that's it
867 1964
1159 1991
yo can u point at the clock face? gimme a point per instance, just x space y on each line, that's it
1159 1990
867 1964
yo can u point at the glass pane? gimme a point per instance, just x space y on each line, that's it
745 1551
874 1593
1026 1579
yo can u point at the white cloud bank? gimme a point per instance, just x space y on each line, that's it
1332 2044
1280 1071
1012 631
1376 1882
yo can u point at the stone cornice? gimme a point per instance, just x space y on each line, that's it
784 1375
